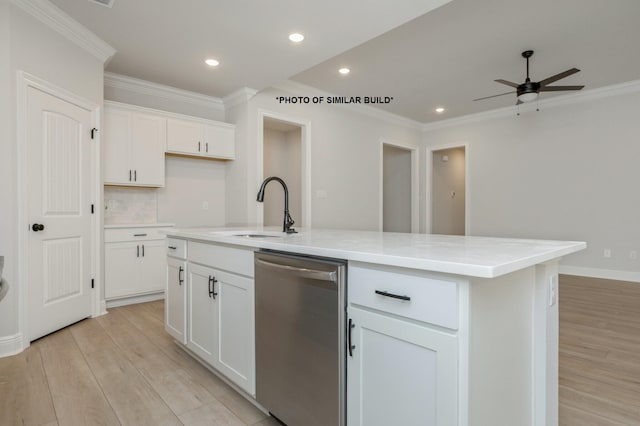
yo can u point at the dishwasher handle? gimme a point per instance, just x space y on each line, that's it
301 272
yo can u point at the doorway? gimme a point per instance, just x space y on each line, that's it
399 186
449 191
282 157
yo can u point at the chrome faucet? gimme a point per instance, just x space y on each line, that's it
288 221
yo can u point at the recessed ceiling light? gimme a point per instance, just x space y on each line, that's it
344 71
212 62
440 110
296 37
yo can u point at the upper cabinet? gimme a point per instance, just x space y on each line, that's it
202 138
134 146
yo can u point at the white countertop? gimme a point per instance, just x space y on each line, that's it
138 225
472 256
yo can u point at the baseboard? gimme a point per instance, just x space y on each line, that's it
11 345
114 303
607 274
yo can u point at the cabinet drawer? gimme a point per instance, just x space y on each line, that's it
223 257
112 235
431 300
177 248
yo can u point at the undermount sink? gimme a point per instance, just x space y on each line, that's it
251 234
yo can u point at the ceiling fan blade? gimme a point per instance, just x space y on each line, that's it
494 96
557 77
508 83
559 88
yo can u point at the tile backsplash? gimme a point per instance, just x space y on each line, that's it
130 205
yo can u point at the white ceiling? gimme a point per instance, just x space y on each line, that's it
445 57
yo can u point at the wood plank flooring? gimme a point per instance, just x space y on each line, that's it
118 369
599 352
124 369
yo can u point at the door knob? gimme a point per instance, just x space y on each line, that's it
37 227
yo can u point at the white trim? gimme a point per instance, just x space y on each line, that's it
53 17
123 301
167 114
557 101
239 97
305 154
11 345
143 87
24 81
415 182
429 186
608 274
298 88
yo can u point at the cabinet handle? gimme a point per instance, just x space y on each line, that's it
137 251
212 286
198 146
180 279
139 235
393 296
135 175
207 145
351 327
143 250
129 175
173 247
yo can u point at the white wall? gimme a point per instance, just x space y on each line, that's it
567 172
345 160
448 192
28 45
396 189
281 156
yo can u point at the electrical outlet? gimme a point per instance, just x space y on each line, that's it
607 253
633 254
321 193
205 205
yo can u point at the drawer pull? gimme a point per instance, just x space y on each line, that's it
139 235
173 247
349 344
180 279
393 296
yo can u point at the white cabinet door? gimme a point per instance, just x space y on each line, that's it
116 146
203 309
219 141
120 268
185 137
235 357
151 266
400 373
148 144
175 300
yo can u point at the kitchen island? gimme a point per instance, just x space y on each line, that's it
472 339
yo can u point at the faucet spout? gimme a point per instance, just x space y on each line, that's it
288 221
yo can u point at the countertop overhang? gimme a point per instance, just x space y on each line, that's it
485 257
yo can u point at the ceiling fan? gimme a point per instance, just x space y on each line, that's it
529 90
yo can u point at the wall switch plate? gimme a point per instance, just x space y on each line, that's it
205 205
607 253
633 254
321 193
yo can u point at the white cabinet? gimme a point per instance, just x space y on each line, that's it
134 145
135 262
220 308
400 373
201 138
175 302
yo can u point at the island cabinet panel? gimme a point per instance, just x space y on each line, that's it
219 307
176 299
399 372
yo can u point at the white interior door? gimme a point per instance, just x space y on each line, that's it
58 180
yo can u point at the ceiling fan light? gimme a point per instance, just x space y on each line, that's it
528 97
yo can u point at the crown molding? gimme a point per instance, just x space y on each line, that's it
118 81
558 101
297 88
53 17
238 97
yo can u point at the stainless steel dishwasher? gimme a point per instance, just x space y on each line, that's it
300 332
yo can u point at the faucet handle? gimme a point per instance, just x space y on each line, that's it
288 223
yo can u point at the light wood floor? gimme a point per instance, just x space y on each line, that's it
118 369
123 368
599 352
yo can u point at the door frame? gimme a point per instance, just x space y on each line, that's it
24 82
415 182
305 162
429 178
